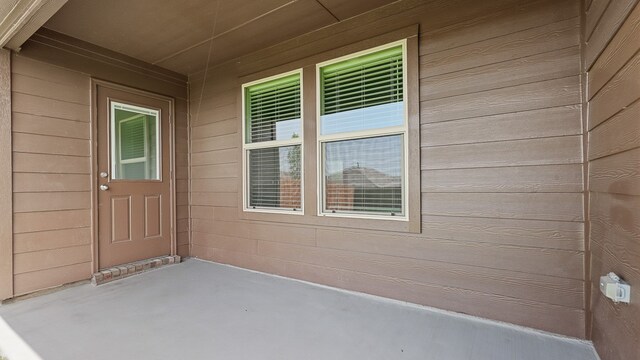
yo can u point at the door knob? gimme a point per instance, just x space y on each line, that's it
104 187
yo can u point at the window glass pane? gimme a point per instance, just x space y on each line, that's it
134 143
364 175
369 118
274 177
363 93
272 110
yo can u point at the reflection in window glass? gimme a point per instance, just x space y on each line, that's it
364 175
134 143
374 117
274 177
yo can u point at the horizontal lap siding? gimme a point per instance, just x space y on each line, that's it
501 169
51 154
51 124
612 54
182 176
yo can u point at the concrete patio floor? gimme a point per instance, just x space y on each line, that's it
201 310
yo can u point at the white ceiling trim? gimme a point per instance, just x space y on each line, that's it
24 19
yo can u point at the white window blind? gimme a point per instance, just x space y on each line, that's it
273 144
362 134
134 142
363 93
273 110
132 139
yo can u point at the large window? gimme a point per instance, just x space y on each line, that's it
273 144
362 134
361 140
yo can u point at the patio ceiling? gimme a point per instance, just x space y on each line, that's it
177 34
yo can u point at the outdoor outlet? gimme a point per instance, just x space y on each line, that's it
615 289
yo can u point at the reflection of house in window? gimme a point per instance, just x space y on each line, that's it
363 189
290 191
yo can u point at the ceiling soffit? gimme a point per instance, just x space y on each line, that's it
187 35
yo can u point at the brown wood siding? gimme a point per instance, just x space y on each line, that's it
501 165
51 204
6 179
52 192
612 58
182 174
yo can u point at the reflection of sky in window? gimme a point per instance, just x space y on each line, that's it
286 129
373 117
383 154
275 130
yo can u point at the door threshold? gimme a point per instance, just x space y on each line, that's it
137 267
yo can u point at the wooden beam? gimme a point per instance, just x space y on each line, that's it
23 19
6 196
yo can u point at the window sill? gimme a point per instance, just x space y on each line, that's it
364 216
275 212
334 221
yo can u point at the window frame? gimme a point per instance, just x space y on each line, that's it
246 147
141 110
402 130
284 63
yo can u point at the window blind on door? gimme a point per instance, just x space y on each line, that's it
132 138
273 110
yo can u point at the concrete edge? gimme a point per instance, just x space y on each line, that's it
416 306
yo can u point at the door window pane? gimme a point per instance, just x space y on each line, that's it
364 175
274 177
135 143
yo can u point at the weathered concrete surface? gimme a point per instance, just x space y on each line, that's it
201 310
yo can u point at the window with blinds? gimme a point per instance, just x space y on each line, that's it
135 143
273 143
363 93
362 133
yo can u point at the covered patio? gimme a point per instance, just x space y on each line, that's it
446 179
202 310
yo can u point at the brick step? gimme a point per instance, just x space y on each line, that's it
126 270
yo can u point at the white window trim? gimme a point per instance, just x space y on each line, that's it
115 105
353 135
269 144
